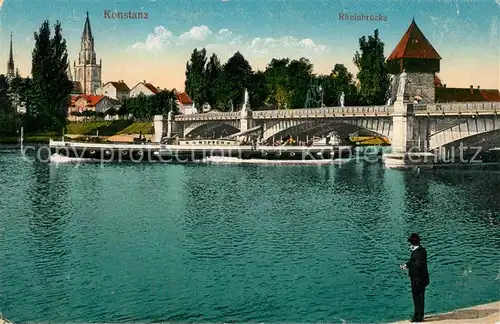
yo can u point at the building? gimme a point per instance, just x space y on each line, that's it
143 87
87 71
115 90
185 104
415 54
11 71
417 57
97 103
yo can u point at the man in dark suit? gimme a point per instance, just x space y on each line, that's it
419 276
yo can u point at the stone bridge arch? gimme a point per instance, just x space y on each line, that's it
198 127
463 130
276 129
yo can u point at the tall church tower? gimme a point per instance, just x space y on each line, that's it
87 71
11 73
415 54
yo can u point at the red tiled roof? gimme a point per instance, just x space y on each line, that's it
91 100
466 94
414 45
120 86
490 95
184 98
151 87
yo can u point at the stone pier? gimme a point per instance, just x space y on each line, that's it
408 144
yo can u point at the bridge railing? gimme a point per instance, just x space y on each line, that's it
458 107
322 112
209 116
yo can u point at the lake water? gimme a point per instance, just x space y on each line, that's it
211 243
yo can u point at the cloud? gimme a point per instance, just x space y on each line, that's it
155 41
226 33
269 46
197 33
224 42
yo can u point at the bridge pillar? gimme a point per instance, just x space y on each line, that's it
409 138
246 116
158 127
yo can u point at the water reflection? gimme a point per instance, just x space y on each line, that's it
49 215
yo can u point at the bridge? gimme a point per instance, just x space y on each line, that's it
409 127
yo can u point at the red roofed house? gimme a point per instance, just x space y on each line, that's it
185 104
415 54
143 87
82 102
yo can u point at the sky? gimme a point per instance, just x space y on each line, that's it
465 33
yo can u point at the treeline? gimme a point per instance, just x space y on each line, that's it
44 96
145 107
287 83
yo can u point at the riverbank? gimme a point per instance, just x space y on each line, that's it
484 314
75 130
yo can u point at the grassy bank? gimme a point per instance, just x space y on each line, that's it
103 128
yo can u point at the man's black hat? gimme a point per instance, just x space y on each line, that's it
414 238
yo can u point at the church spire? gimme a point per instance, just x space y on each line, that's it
87 53
87 31
10 64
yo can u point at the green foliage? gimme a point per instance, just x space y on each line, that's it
213 73
9 118
373 72
235 78
145 107
50 87
195 84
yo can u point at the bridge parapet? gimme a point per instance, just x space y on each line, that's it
323 112
457 108
209 116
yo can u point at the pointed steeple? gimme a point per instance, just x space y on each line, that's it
10 64
87 31
87 53
414 45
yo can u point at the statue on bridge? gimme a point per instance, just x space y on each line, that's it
403 82
247 100
246 103
342 98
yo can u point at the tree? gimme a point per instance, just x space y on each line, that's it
373 73
338 81
195 71
277 79
236 77
258 90
213 73
50 88
299 78
9 119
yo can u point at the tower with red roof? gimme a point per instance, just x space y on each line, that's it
415 54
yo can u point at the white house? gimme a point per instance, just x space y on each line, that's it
185 104
115 90
145 88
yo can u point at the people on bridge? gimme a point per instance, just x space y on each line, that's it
419 276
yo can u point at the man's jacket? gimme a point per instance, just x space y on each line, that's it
417 266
